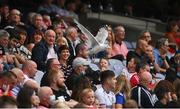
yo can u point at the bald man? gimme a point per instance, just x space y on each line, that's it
44 94
15 17
141 93
139 51
45 50
20 80
30 69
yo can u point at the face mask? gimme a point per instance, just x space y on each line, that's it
52 99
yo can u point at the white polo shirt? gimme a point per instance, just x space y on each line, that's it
105 98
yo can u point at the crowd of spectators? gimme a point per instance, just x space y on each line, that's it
45 63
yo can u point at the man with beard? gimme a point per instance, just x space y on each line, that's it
56 79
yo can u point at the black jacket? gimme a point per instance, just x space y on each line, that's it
39 54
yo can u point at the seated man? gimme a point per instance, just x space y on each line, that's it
8 80
44 94
104 93
30 69
56 80
141 93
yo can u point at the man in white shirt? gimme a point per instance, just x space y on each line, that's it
104 93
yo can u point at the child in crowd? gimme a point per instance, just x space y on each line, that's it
87 97
130 71
103 64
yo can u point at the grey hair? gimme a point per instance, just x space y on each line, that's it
47 32
4 33
36 15
142 33
69 30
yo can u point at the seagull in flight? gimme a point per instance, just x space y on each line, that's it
94 43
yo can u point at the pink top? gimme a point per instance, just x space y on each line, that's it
119 49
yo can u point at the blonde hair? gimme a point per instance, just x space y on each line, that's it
112 39
123 86
83 94
53 74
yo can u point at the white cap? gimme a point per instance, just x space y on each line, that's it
79 61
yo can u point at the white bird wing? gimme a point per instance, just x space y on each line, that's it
102 35
97 49
91 40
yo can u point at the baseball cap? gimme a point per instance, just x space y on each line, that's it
79 61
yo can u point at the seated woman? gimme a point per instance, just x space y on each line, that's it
122 91
63 59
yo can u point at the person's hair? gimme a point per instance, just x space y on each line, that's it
24 97
9 74
63 47
4 33
34 17
176 85
160 42
112 40
123 86
37 32
52 74
141 65
69 30
141 35
116 29
130 104
83 94
47 32
105 75
162 88
22 31
7 100
48 64
80 47
171 74
104 58
13 32
136 61
170 25
81 83
80 105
